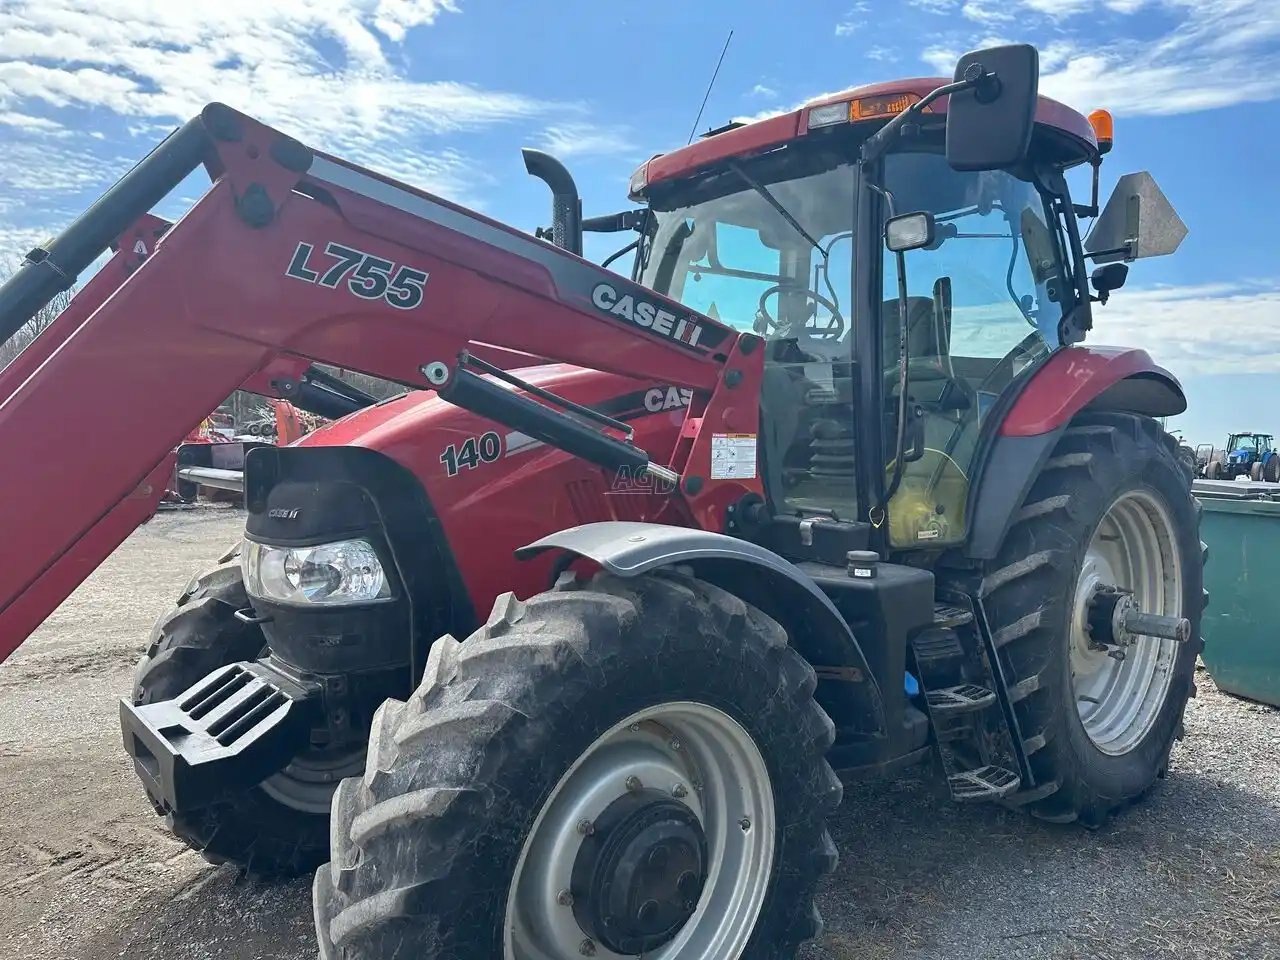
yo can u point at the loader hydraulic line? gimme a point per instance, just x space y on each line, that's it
294 258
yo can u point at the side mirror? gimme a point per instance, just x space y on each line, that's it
909 231
1109 278
1138 221
989 125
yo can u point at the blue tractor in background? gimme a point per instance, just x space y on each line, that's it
1251 455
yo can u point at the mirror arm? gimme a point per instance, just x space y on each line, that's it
616 222
1127 250
876 145
1092 209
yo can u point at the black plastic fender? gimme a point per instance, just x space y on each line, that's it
756 575
1011 466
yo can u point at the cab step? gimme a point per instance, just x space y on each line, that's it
950 616
965 698
982 784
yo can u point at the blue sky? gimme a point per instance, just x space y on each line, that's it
443 93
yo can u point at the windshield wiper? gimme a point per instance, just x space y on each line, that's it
770 199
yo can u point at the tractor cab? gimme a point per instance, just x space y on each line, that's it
1247 447
904 292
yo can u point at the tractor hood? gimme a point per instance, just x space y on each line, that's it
493 490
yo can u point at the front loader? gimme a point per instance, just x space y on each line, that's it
827 488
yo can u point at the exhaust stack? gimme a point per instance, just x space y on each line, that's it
566 207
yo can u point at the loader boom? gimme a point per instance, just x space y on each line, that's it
292 257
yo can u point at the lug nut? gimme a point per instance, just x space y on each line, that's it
564 898
648 911
633 784
744 823
635 728
674 744
679 791
586 827
657 858
587 948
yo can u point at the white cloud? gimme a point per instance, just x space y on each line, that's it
330 72
22 121
986 11
760 90
1058 8
1061 9
881 53
1198 329
853 20
934 6
584 139
46 168
1217 53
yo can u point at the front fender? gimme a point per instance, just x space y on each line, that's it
757 576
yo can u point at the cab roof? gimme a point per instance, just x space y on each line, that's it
1054 117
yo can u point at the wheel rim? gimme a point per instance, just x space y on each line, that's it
308 782
1133 548
689 752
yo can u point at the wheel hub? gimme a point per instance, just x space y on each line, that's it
638 877
1108 608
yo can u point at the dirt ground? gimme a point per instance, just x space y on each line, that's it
87 872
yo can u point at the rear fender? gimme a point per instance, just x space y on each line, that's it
756 575
1118 379
1073 380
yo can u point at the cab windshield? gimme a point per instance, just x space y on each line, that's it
984 303
720 247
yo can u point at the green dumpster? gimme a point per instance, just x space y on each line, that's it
1242 624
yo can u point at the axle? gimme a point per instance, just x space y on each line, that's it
1114 620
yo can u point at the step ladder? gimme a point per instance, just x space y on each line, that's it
963 714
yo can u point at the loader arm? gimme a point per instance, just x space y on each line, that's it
294 257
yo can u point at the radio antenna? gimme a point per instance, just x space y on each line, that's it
707 95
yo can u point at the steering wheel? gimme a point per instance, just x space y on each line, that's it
765 321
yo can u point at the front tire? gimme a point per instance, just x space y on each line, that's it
467 835
1111 506
256 830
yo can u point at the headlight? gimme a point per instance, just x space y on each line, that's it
328 574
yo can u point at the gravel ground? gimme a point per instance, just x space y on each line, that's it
88 873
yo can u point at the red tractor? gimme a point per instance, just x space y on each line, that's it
827 488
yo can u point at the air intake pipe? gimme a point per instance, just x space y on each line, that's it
566 207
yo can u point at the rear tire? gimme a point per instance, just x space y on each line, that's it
427 846
1085 760
252 830
1271 469
1214 470
1255 470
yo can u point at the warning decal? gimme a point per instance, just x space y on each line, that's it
733 456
